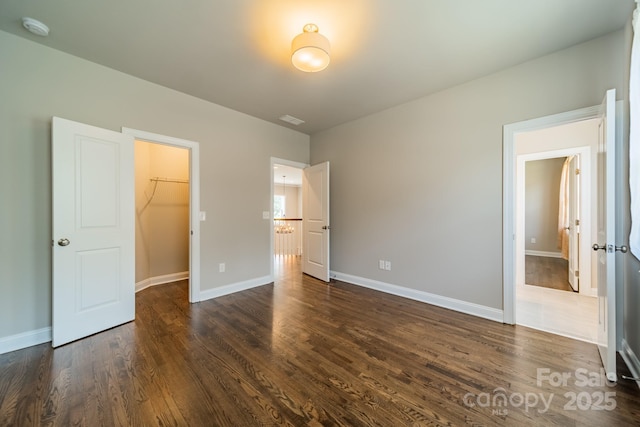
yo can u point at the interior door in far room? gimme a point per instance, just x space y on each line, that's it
93 229
573 198
315 212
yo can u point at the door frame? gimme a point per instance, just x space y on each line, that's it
585 252
509 231
277 161
194 199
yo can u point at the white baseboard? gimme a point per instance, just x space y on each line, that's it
426 297
24 340
234 287
160 280
544 253
632 361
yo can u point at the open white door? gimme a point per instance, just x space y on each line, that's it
93 228
606 264
315 213
574 223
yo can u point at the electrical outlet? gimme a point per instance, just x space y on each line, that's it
222 267
387 265
381 264
533 240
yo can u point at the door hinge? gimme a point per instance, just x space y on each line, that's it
577 222
577 171
577 273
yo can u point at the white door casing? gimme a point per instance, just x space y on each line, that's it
194 199
605 244
294 164
513 224
315 212
93 252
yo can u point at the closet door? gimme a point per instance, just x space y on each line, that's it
93 230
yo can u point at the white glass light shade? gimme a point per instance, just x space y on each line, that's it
310 50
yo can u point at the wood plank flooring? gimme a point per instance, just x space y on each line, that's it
547 272
304 353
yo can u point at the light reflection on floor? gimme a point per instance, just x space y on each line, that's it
564 313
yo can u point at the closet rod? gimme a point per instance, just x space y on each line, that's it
179 181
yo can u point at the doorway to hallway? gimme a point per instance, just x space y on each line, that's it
286 235
568 313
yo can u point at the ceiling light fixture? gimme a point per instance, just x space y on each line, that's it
35 26
310 50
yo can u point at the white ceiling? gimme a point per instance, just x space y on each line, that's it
287 175
235 53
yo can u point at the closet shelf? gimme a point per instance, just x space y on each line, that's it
159 179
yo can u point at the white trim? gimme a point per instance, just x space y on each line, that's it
585 252
24 340
283 162
425 297
562 334
234 287
631 360
509 195
543 253
161 280
194 200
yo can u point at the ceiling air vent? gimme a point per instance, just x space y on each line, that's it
290 119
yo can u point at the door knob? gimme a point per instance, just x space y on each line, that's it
64 242
622 248
326 227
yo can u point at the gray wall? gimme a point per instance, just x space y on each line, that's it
421 184
38 83
542 194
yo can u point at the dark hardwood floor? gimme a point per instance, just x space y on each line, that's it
547 272
302 352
